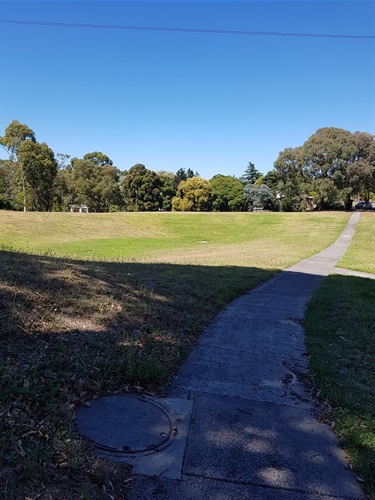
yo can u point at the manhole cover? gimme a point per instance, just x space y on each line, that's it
127 424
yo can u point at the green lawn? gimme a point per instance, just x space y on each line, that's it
361 253
208 238
340 331
120 316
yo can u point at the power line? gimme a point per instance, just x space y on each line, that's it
184 30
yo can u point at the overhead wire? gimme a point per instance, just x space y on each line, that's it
185 30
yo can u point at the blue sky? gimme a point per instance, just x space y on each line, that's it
209 102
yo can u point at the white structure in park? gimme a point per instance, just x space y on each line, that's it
79 208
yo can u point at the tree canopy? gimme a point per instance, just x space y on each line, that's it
15 134
193 195
251 174
39 168
331 166
183 175
227 194
258 196
93 184
98 158
35 167
142 189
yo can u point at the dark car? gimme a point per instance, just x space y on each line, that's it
366 205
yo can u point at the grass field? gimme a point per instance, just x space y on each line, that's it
270 239
93 304
361 253
340 331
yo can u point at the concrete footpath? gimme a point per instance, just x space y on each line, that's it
253 432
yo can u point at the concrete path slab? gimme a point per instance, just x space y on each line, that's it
196 488
267 444
245 374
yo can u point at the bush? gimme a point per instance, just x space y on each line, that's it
6 204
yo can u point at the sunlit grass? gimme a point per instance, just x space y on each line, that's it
361 253
174 237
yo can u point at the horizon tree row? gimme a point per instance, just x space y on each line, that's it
331 167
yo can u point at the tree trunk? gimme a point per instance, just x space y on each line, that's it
24 192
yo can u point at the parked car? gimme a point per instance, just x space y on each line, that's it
366 205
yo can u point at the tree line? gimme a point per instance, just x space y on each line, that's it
328 171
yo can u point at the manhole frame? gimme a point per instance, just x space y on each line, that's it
113 452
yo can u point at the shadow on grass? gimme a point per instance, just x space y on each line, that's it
123 306
340 326
73 330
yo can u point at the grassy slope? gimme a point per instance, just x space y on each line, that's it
361 254
72 330
340 328
173 237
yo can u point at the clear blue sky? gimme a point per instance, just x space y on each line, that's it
209 102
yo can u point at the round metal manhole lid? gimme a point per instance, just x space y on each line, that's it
127 424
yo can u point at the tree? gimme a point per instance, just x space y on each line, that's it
258 196
324 193
327 152
227 194
259 181
193 195
291 186
63 195
272 179
15 134
251 174
8 184
142 189
94 185
331 166
39 168
183 175
362 179
167 189
361 173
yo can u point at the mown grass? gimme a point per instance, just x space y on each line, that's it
74 329
340 331
361 253
166 237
